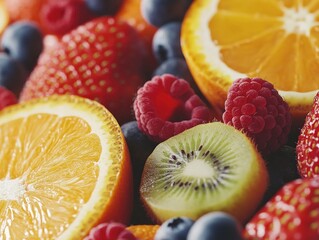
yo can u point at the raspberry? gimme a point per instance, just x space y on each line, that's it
167 105
7 98
254 106
60 17
110 231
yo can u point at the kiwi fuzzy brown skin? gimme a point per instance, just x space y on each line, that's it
240 200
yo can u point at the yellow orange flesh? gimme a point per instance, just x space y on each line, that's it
143 232
276 40
62 159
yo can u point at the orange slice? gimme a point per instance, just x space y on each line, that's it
276 40
64 169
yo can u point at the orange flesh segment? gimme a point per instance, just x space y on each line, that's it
45 197
264 40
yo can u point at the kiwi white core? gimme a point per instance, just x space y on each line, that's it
198 168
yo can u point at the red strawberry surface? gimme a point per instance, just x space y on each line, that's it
307 147
101 60
292 214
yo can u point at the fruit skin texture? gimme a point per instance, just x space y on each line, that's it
166 42
291 214
97 61
60 17
167 105
254 106
174 229
307 147
159 12
177 67
7 98
103 7
22 40
24 10
12 74
140 147
110 231
216 226
282 168
130 12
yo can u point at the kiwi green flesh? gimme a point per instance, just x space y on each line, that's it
209 167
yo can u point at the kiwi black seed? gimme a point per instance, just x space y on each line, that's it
210 167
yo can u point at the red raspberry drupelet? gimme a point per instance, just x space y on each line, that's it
110 231
254 106
167 105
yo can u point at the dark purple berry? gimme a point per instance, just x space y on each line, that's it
282 168
104 7
22 41
159 12
174 229
177 67
139 145
215 226
12 74
166 42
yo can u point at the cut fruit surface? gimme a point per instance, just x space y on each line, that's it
210 167
143 232
276 40
64 168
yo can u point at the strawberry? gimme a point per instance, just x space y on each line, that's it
307 147
100 60
292 214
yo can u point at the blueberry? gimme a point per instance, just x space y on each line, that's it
140 147
159 12
104 7
179 68
166 42
22 40
12 74
174 229
215 226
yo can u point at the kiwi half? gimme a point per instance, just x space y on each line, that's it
210 167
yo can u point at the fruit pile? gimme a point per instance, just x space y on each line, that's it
159 120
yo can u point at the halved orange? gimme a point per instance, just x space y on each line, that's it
64 168
276 40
